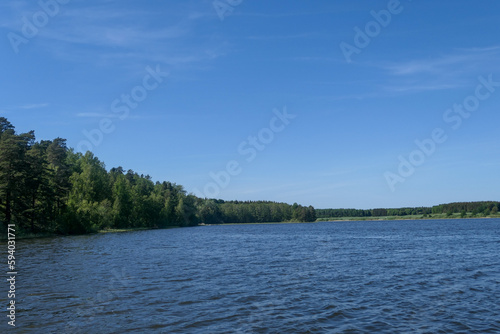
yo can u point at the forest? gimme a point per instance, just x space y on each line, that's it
46 187
474 208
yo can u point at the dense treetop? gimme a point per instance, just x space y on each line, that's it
47 187
475 208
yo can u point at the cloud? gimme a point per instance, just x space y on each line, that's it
105 115
337 60
453 70
289 36
29 106
112 33
414 88
96 115
450 71
458 61
339 8
33 106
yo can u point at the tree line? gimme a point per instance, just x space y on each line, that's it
338 213
46 187
475 208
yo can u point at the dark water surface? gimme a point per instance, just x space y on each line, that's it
330 277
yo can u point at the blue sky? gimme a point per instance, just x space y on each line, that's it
68 68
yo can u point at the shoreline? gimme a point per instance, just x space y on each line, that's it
392 218
319 220
264 223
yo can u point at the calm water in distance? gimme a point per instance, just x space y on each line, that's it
431 276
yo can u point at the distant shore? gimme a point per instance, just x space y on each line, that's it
408 217
263 223
384 218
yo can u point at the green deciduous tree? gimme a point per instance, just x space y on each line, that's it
47 187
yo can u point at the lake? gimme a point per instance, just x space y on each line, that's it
427 276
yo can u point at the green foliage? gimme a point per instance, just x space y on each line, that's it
479 209
474 207
379 212
262 212
339 213
45 187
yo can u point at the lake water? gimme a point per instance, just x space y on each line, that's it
330 277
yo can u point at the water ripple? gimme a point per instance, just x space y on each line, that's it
346 277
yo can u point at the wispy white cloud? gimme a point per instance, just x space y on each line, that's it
415 88
108 33
113 36
28 106
340 7
446 72
337 60
458 61
449 71
33 106
101 115
494 48
96 115
288 36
